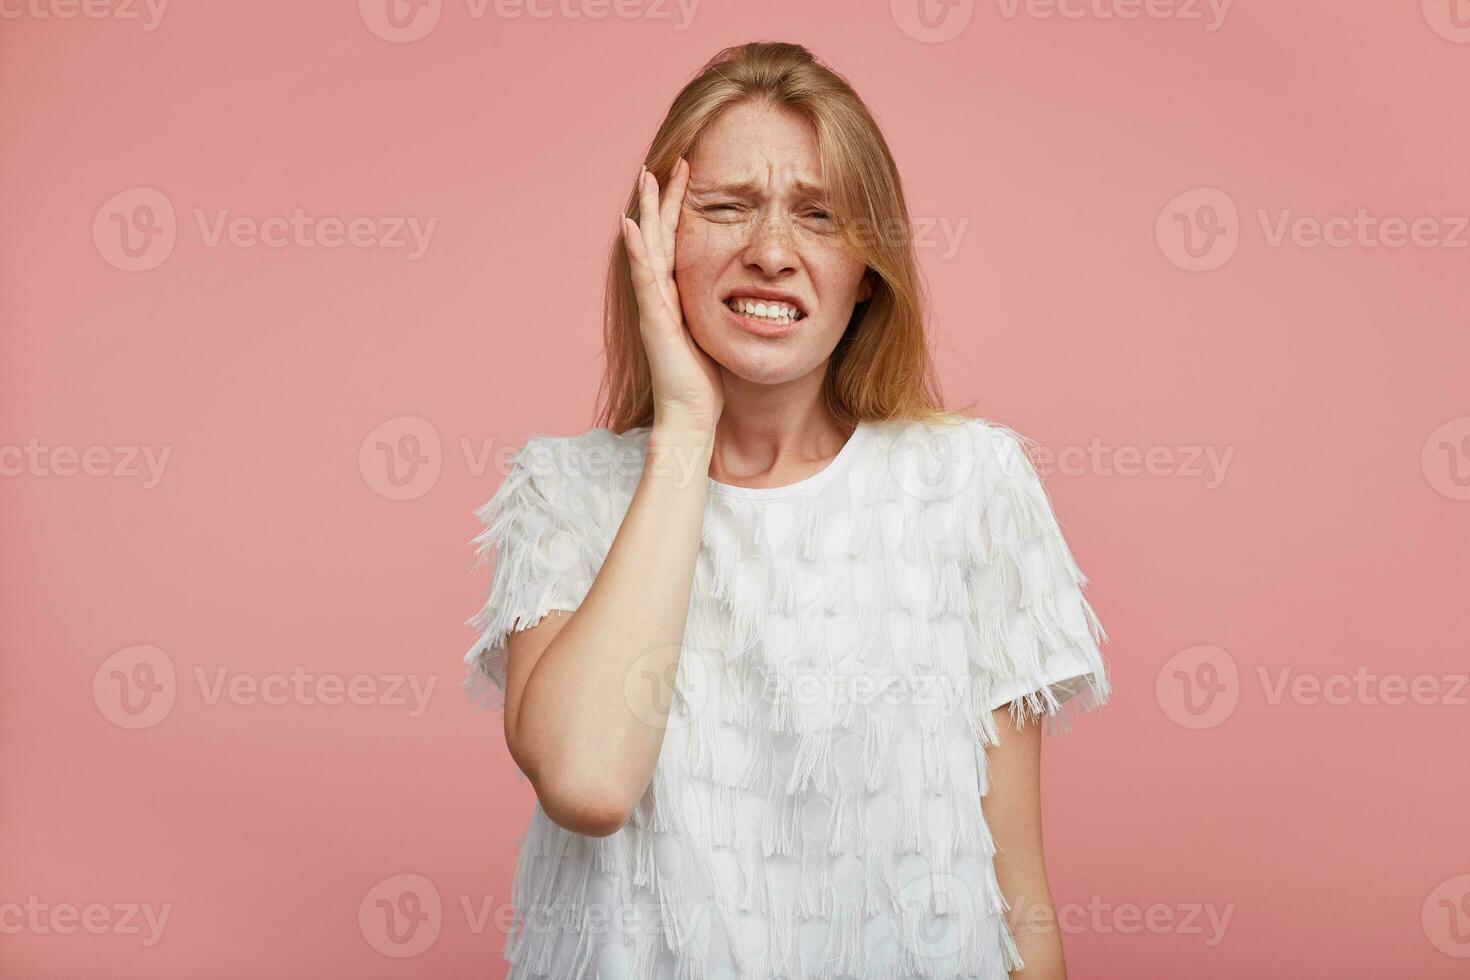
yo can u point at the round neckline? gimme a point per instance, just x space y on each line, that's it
833 467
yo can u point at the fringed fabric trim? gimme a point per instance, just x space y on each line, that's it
546 528
1036 637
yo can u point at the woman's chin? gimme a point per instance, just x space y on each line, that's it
758 363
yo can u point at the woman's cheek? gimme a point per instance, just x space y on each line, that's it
722 241
691 246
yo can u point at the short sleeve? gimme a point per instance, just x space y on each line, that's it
537 526
1038 638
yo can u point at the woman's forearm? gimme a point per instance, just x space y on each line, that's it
1035 929
594 709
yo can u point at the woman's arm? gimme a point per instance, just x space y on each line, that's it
1012 808
569 723
587 696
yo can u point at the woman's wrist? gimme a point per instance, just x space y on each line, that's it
681 430
682 449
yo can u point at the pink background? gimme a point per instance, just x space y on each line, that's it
1332 834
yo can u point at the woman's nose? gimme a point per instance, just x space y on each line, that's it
770 247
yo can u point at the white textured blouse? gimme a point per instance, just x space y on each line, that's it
816 806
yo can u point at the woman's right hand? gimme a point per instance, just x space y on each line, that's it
687 389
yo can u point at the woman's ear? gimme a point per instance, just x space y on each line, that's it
865 287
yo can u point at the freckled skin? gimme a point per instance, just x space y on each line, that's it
774 233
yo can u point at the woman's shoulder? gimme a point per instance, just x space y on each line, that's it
582 479
959 460
957 436
598 439
596 459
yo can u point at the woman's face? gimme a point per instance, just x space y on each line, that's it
756 228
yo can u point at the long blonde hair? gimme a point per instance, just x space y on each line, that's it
880 368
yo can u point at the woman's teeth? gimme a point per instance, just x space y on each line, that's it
772 311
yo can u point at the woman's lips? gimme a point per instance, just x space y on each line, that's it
761 328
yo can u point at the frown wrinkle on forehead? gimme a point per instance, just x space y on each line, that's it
752 187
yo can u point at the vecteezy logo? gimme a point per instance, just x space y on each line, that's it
135 229
1446 917
668 695
401 916
401 458
932 21
135 687
932 906
1446 458
1450 19
400 21
933 463
1199 229
1198 687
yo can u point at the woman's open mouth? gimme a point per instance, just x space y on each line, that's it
766 317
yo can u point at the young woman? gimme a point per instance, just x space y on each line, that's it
765 639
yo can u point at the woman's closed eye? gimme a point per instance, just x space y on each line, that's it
723 211
814 219
815 215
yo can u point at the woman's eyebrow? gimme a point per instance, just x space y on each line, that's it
749 188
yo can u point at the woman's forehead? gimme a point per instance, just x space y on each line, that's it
756 147
753 183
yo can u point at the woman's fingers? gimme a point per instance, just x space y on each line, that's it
649 224
638 263
659 214
652 306
673 201
650 243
